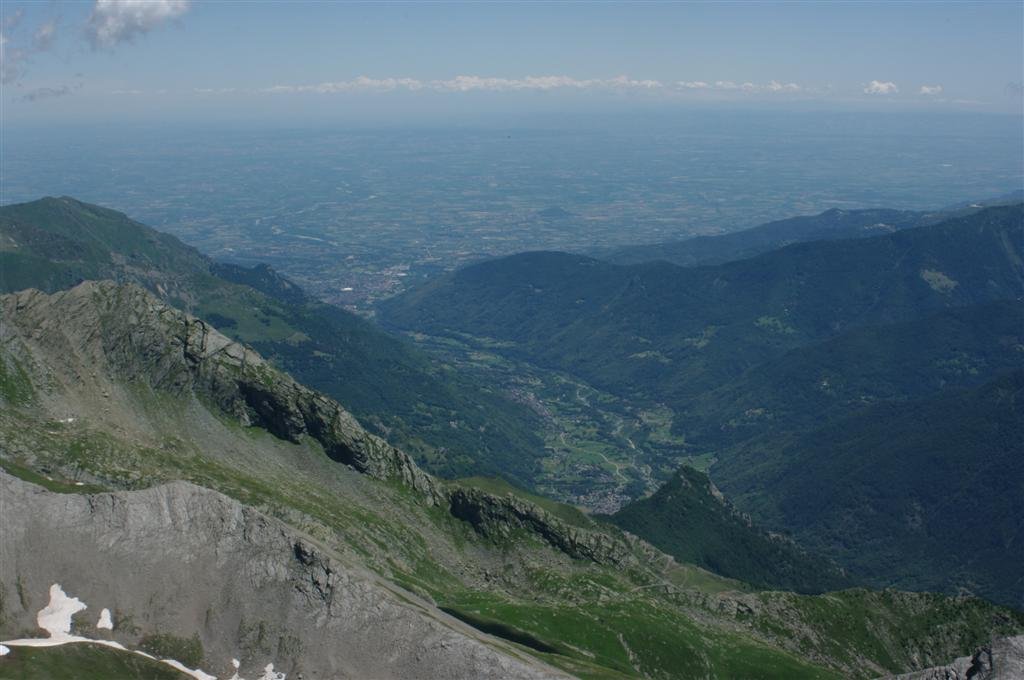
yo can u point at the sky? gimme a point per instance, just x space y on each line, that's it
159 60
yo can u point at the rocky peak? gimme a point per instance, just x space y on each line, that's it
123 331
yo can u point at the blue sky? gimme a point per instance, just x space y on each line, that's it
173 59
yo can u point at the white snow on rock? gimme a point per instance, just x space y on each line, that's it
105 621
269 674
197 674
55 618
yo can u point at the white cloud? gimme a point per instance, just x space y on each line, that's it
474 83
729 85
113 22
465 83
881 87
544 83
44 36
628 83
10 61
14 59
930 89
361 83
776 86
11 21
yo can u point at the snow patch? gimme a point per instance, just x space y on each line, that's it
269 674
197 674
55 618
105 621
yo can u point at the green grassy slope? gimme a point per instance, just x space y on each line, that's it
82 662
452 424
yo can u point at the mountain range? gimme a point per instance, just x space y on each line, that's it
188 504
219 510
830 225
452 424
793 355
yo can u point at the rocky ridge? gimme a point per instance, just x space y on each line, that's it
1001 660
178 553
141 340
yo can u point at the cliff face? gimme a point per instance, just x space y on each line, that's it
164 558
497 517
1002 660
102 330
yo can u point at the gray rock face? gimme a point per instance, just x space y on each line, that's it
498 516
124 332
182 560
1003 660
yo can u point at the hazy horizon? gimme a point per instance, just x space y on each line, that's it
354 63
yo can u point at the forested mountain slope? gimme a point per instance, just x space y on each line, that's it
670 333
785 363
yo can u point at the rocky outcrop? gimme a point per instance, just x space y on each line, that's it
179 560
124 332
499 516
1002 660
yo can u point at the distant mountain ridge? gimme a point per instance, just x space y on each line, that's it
670 333
708 250
835 223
